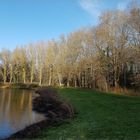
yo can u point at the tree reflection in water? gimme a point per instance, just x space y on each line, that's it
16 111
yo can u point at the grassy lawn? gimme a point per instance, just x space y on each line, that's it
100 116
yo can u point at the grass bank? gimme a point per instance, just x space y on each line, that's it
100 116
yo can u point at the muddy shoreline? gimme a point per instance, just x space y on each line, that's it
51 105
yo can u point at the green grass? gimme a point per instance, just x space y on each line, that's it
100 116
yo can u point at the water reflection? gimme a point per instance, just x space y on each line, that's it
16 111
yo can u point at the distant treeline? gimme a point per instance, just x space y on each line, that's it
104 57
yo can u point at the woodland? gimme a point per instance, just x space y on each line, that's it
104 57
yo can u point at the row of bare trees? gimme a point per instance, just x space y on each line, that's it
103 57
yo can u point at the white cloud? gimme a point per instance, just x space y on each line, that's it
93 7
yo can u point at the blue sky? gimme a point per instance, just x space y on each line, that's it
25 21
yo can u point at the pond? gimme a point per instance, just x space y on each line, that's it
16 111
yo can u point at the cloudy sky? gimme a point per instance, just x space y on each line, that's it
25 21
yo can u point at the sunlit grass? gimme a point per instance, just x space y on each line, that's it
100 116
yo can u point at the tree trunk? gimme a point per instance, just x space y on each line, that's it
24 75
83 81
75 81
11 73
68 81
4 74
86 78
50 77
59 79
32 74
106 86
40 76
